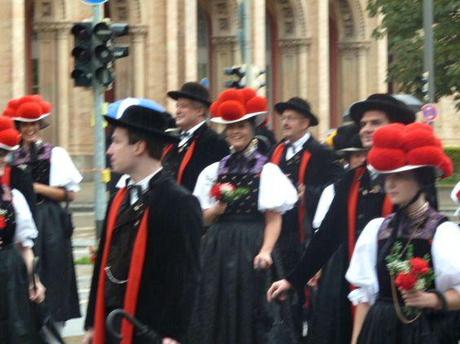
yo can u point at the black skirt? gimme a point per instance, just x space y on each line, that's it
57 270
332 320
382 326
16 326
231 305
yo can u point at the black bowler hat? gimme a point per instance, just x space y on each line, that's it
395 109
300 105
144 120
192 90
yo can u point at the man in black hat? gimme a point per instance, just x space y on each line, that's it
310 166
199 145
358 198
148 257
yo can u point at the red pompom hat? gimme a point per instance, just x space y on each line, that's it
234 106
9 136
30 108
399 148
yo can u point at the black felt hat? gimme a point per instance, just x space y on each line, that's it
192 90
144 120
300 105
396 110
347 139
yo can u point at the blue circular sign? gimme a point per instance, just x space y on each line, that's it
94 2
430 113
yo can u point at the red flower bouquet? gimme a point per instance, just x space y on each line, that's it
411 272
227 192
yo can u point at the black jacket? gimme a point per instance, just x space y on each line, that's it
171 268
21 180
322 170
210 147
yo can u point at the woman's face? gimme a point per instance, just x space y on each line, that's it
30 131
401 187
239 134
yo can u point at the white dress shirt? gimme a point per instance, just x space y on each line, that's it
186 135
295 147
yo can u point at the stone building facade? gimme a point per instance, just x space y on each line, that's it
318 49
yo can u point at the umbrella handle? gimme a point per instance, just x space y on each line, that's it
143 330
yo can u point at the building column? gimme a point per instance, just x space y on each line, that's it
138 34
363 55
172 49
63 79
191 40
259 37
18 58
226 55
323 101
303 52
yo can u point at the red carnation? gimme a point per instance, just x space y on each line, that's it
216 192
406 280
2 222
419 266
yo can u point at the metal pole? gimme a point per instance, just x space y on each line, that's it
100 195
428 52
246 38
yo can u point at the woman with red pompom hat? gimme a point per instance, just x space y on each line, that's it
405 268
17 234
243 198
56 179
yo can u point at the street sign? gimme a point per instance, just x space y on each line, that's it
94 2
430 113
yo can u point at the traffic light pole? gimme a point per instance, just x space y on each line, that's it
428 56
245 39
100 195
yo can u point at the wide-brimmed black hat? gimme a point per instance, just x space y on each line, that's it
300 105
192 90
144 120
396 110
347 139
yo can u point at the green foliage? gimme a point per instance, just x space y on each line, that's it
454 154
402 21
83 261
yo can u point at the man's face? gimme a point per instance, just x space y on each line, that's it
188 113
294 124
122 154
370 122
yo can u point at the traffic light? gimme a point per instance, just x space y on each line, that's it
238 74
82 73
95 52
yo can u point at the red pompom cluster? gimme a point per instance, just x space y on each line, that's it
233 104
28 108
396 146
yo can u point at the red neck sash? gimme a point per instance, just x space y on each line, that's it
276 159
353 199
134 275
185 161
6 178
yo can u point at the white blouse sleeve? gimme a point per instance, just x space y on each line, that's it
362 271
445 250
453 194
204 183
26 231
63 172
276 191
327 196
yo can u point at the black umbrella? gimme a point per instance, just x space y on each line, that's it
143 330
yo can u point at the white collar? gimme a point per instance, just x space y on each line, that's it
195 128
297 145
144 183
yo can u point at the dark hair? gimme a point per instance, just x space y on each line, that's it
154 145
426 179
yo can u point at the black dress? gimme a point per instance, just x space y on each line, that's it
231 305
382 325
53 245
16 326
